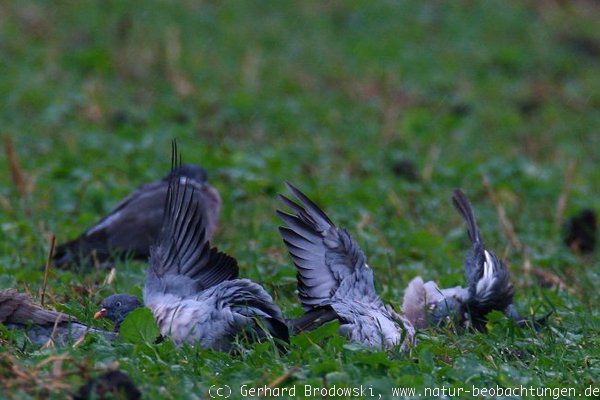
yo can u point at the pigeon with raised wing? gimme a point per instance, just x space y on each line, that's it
193 289
334 280
19 311
489 286
134 224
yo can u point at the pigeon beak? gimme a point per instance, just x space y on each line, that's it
100 314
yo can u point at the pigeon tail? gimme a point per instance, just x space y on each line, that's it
463 206
92 249
324 255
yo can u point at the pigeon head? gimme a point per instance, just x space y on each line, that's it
116 307
190 171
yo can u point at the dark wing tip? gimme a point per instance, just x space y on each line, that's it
279 330
459 199
459 192
289 185
310 207
183 247
284 215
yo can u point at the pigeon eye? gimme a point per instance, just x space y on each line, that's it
118 304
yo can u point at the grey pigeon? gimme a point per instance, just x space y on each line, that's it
489 286
334 280
18 311
116 308
134 224
193 290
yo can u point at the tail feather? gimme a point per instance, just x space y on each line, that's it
463 206
63 255
82 251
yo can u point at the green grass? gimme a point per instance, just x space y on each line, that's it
330 96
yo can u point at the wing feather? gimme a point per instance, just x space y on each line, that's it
323 254
182 262
463 206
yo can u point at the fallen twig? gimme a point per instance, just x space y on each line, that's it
281 379
47 269
16 171
81 339
112 274
50 342
432 157
396 203
552 279
32 380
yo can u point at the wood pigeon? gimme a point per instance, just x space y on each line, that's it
134 224
43 326
489 286
193 289
116 308
334 280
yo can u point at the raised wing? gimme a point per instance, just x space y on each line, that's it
182 262
324 254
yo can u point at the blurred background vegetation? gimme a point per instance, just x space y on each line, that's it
377 109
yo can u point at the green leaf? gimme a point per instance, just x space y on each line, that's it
139 327
306 340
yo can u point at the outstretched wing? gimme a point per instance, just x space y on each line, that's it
182 262
324 254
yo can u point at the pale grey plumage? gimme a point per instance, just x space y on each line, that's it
214 316
489 287
333 274
192 288
19 311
